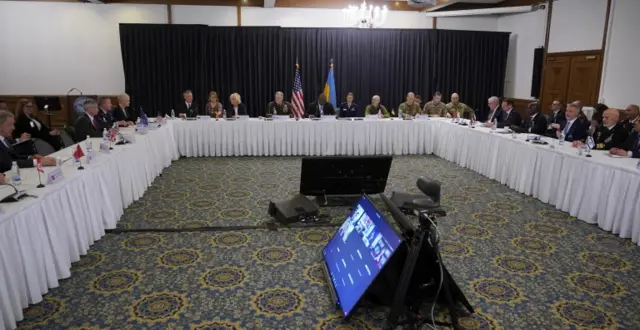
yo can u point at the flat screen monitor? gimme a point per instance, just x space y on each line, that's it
344 175
357 253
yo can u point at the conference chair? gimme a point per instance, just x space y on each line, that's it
71 131
42 147
66 138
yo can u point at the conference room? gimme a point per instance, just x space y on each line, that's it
281 164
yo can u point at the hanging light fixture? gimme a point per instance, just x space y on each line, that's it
365 16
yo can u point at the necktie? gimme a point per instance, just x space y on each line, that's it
638 142
93 123
566 128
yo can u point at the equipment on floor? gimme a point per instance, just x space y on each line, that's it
341 180
357 253
429 199
299 208
417 274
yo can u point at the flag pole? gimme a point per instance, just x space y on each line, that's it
39 175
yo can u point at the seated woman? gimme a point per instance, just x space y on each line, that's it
236 108
27 122
375 107
214 107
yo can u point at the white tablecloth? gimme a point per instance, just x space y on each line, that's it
40 238
599 190
305 137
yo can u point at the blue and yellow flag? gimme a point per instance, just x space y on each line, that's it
330 87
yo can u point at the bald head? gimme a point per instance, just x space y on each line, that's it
455 98
411 97
610 117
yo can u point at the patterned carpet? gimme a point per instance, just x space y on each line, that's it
521 263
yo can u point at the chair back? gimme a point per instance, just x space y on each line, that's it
71 131
66 138
43 148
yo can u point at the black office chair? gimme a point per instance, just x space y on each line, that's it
428 201
66 138
71 131
42 147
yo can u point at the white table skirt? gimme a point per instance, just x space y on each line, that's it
295 138
599 190
40 238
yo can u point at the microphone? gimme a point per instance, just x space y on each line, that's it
15 196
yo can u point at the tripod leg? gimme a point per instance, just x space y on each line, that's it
457 293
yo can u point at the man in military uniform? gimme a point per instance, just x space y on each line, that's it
631 147
461 109
611 134
435 108
632 114
375 107
409 108
279 106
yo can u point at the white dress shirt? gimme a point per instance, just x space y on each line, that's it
235 109
35 122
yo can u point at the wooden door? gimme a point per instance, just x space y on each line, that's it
584 79
556 80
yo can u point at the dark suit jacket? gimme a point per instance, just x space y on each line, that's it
8 155
314 109
192 111
347 111
105 119
632 144
242 110
498 115
610 138
23 124
536 126
513 118
119 115
578 131
84 127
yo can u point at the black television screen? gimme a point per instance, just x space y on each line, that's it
344 175
357 253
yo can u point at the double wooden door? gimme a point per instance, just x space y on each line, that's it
570 77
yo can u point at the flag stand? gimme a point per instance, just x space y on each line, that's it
110 147
40 180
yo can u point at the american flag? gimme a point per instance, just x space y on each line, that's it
297 98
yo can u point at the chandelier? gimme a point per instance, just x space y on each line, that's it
365 16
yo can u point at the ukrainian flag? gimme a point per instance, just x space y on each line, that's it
330 87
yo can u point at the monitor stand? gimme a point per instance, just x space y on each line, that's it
337 200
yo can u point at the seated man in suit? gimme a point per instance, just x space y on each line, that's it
632 116
187 108
348 109
631 147
576 128
495 113
510 116
557 119
320 107
87 124
376 108
236 108
8 154
536 123
279 106
124 115
610 134
105 115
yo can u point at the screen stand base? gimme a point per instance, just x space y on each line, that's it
337 200
450 294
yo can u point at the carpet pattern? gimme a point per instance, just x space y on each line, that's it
521 263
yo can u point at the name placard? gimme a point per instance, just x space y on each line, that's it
130 138
55 176
204 117
104 148
280 117
422 117
142 130
243 117
372 117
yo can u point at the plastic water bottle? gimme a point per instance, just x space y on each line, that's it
399 113
15 174
88 144
173 114
494 126
379 113
224 113
274 113
561 139
320 112
105 135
